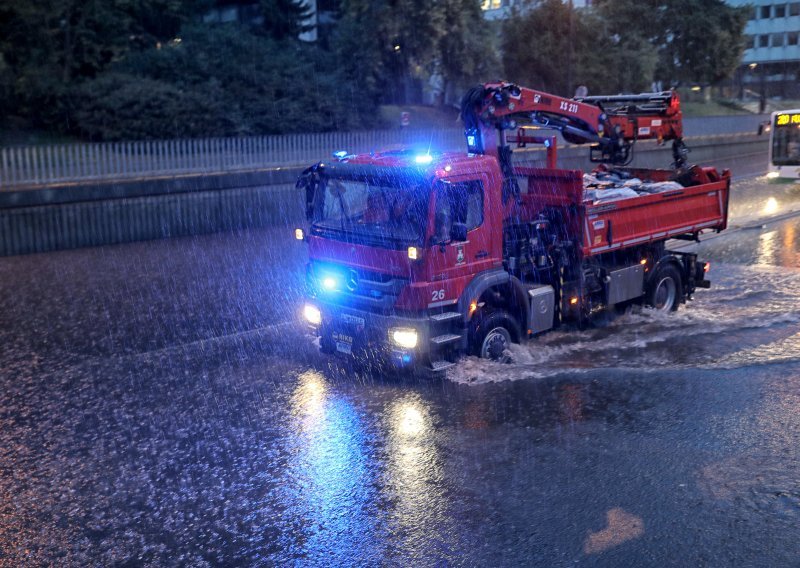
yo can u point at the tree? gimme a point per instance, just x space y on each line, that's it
697 41
623 45
400 38
218 81
556 48
285 19
630 31
467 52
51 46
702 40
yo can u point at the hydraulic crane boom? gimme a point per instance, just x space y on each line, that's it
611 123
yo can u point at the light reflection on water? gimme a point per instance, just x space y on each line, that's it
329 486
777 245
415 474
766 247
357 492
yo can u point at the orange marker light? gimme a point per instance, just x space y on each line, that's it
472 307
573 301
643 261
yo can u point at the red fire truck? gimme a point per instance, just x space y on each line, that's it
418 259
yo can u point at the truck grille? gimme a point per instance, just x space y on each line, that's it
355 287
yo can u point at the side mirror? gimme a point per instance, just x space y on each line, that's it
309 180
458 232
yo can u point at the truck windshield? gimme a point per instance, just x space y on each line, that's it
376 212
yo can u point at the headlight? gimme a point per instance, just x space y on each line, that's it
312 314
406 338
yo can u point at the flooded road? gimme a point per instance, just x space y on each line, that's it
160 405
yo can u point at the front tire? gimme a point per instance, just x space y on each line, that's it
665 289
492 334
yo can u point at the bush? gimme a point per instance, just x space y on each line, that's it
120 106
216 82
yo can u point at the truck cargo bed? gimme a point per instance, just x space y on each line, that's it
698 202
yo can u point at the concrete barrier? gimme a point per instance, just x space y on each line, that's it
78 215
721 151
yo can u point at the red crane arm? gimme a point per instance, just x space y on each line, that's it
613 123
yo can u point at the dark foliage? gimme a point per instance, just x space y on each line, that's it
192 89
167 68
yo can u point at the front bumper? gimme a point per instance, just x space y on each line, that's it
364 335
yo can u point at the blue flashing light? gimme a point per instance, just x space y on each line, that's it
401 358
329 283
340 155
423 159
474 141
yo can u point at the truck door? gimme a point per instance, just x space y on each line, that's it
462 240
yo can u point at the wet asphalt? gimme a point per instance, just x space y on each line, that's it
160 405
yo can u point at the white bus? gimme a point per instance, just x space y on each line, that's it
784 145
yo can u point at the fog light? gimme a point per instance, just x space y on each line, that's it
406 338
413 254
312 314
298 234
773 175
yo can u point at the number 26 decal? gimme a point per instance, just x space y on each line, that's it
437 295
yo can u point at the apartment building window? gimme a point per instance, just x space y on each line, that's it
777 40
491 4
780 10
766 12
794 9
763 41
749 42
791 38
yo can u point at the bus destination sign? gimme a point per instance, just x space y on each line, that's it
787 119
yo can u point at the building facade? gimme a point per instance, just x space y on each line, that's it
771 62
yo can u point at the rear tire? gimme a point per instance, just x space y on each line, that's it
665 289
492 333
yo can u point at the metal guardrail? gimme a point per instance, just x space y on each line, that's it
728 124
30 166
66 163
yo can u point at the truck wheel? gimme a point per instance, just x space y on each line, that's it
665 289
492 333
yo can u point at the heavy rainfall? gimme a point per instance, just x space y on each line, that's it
165 402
